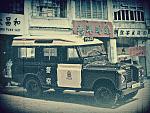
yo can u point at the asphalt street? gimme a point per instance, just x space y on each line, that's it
15 100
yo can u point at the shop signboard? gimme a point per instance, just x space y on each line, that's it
132 32
11 24
93 28
137 51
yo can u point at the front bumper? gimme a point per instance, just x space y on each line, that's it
134 87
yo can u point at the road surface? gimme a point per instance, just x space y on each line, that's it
14 100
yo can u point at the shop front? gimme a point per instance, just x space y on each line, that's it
132 42
10 25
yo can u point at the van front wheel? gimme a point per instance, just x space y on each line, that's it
105 96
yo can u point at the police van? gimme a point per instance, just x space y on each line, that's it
71 62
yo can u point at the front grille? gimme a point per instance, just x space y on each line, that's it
135 73
129 75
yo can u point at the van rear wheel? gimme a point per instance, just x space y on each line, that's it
33 87
105 96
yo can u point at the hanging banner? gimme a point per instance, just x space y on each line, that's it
93 28
137 51
132 32
11 24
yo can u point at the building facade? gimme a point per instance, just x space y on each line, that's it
120 24
131 31
82 17
147 21
11 24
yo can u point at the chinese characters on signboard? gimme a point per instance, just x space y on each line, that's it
11 24
93 28
137 51
132 33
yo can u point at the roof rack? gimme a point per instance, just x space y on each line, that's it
53 40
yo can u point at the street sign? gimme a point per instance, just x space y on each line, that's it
132 32
11 24
93 28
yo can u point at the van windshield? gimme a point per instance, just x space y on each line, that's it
92 50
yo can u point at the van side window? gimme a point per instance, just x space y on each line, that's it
72 53
73 56
50 53
25 52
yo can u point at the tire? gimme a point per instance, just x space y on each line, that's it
33 87
105 96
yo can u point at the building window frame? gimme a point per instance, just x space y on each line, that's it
136 16
49 8
12 6
97 9
131 7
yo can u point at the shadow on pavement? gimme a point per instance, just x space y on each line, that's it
83 98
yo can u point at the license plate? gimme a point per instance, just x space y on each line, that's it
136 85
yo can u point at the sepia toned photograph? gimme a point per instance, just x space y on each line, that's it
74 56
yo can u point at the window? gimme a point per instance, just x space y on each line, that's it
26 52
50 53
12 6
119 15
142 16
139 15
115 15
129 15
135 15
49 8
123 15
72 53
125 42
94 50
128 10
128 4
96 9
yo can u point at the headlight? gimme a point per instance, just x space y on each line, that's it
122 74
141 72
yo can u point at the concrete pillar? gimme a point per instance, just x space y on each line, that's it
72 10
110 10
27 16
112 49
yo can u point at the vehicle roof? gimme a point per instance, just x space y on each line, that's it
52 40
